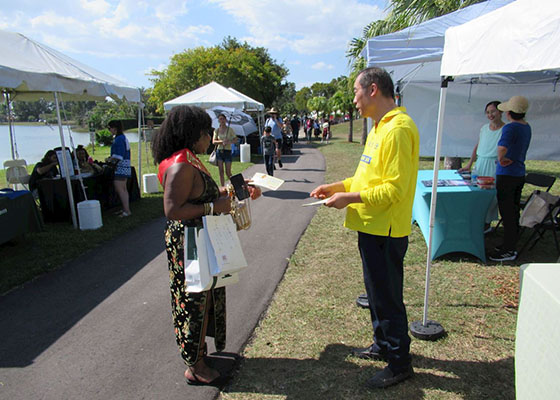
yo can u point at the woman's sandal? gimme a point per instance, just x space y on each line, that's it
197 382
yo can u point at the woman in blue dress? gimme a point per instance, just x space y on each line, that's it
120 153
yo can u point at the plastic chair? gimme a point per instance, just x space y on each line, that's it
16 172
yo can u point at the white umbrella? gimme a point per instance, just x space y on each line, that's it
241 123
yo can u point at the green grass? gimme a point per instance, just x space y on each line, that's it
25 258
300 349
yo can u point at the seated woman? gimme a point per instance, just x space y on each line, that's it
46 168
85 162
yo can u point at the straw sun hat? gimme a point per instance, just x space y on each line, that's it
517 104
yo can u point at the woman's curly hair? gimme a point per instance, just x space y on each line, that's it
181 129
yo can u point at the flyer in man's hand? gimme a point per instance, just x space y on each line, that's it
316 203
266 181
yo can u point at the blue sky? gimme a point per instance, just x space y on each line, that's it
128 38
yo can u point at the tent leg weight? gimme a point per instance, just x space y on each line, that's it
431 331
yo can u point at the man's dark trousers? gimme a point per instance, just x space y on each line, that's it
508 190
382 262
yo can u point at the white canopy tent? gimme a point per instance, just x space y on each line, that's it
478 78
214 94
528 38
30 70
413 57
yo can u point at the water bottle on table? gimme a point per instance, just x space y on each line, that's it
474 176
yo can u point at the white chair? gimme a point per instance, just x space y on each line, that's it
16 172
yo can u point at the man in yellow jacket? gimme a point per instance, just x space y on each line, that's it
378 201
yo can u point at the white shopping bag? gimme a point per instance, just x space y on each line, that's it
223 247
202 270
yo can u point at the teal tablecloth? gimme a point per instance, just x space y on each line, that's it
460 214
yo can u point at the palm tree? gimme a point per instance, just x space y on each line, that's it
318 104
403 13
342 100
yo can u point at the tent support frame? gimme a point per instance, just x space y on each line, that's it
65 166
428 329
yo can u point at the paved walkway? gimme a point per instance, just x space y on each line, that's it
100 328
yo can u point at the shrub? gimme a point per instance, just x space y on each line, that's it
104 137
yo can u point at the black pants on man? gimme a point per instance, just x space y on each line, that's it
508 190
382 262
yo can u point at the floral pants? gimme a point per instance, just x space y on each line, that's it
190 309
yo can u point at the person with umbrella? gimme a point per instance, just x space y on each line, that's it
224 137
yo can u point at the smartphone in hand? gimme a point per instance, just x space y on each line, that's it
240 187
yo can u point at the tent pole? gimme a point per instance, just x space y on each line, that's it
139 177
65 165
259 123
427 329
9 112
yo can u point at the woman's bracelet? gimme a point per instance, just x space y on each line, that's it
208 208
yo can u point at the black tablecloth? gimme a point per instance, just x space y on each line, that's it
18 215
54 196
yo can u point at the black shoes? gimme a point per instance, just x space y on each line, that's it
372 352
386 377
280 163
383 378
503 255
362 301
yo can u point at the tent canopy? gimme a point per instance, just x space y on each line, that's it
32 70
214 94
405 51
418 79
528 38
251 104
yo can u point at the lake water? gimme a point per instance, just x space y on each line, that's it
34 141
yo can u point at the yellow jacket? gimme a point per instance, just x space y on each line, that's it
386 178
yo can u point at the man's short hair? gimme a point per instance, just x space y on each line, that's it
380 77
516 116
268 129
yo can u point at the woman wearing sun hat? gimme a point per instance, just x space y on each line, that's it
276 124
510 173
